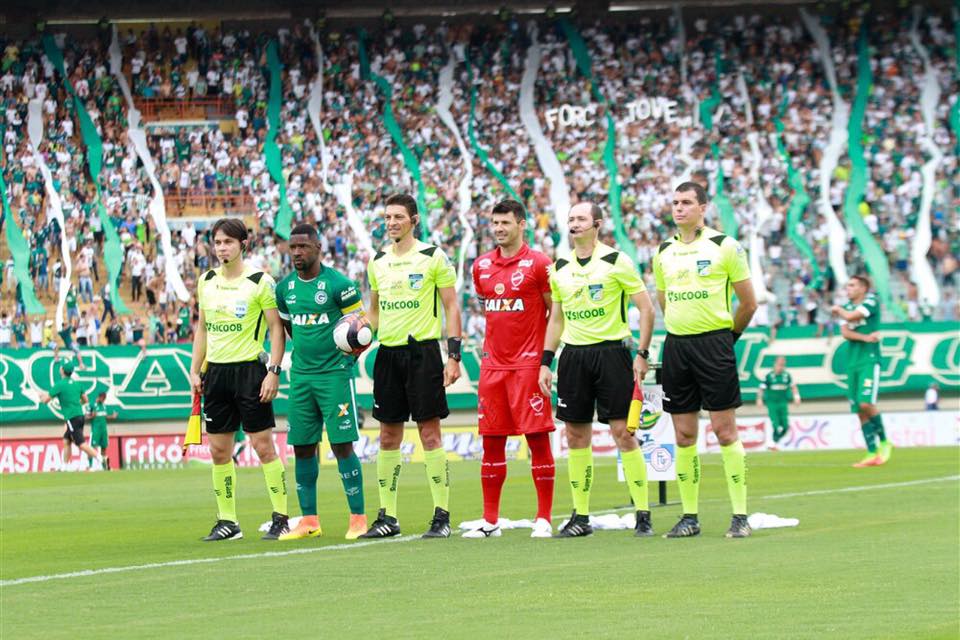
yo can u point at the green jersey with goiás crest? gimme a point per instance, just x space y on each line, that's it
313 307
861 353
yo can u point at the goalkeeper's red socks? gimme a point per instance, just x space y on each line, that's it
493 473
543 470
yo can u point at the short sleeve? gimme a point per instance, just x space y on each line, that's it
267 292
348 296
443 272
282 307
868 307
734 258
658 274
372 275
543 273
57 388
554 285
474 276
627 275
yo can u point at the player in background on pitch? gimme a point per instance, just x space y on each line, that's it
774 391
311 300
513 284
861 327
410 283
96 412
71 396
590 290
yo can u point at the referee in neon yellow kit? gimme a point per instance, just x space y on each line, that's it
237 306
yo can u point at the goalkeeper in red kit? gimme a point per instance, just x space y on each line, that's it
513 283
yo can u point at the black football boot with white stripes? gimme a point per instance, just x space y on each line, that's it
224 530
440 525
383 527
577 527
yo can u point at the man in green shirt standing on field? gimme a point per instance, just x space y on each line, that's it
71 395
96 412
775 390
861 328
322 395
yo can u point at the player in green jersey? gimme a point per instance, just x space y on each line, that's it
410 281
311 300
237 304
697 271
96 412
775 390
71 396
590 291
861 327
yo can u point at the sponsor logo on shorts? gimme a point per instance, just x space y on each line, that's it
536 403
681 296
344 409
398 305
415 280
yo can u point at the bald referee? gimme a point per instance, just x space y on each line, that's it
237 306
695 271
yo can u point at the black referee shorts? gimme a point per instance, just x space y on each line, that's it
594 376
700 371
74 430
231 397
408 382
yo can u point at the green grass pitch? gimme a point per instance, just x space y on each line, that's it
876 555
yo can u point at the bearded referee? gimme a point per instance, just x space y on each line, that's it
237 306
695 271
590 293
411 284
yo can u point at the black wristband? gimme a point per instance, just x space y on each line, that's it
736 335
547 358
454 348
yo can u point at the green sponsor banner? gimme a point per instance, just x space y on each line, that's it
154 384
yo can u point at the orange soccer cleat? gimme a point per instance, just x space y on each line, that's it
308 527
357 526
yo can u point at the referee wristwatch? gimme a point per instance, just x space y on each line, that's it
274 368
644 353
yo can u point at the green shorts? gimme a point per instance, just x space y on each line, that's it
315 399
99 438
863 384
778 413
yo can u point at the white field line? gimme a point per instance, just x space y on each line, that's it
356 545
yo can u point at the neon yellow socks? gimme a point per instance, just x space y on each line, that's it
225 488
276 478
438 477
635 471
735 469
688 478
580 469
388 476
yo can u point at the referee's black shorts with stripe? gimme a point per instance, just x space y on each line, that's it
74 430
408 383
700 372
594 376
231 397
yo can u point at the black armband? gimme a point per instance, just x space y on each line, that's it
547 358
454 348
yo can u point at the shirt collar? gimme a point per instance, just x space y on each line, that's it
499 259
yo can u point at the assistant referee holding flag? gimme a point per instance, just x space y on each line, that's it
695 271
237 388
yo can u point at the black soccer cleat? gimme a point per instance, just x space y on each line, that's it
279 526
224 530
739 527
688 527
440 525
576 527
383 527
643 528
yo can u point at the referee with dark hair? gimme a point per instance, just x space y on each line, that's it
695 272
237 307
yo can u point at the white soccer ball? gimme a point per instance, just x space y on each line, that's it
353 334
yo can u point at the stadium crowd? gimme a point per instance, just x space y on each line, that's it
763 70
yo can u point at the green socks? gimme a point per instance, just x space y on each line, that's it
635 471
688 478
438 477
276 479
869 435
735 468
225 488
580 468
388 475
307 471
878 429
352 478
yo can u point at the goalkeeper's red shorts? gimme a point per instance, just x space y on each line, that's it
510 403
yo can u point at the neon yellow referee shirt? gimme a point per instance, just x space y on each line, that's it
233 313
696 281
594 296
408 286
